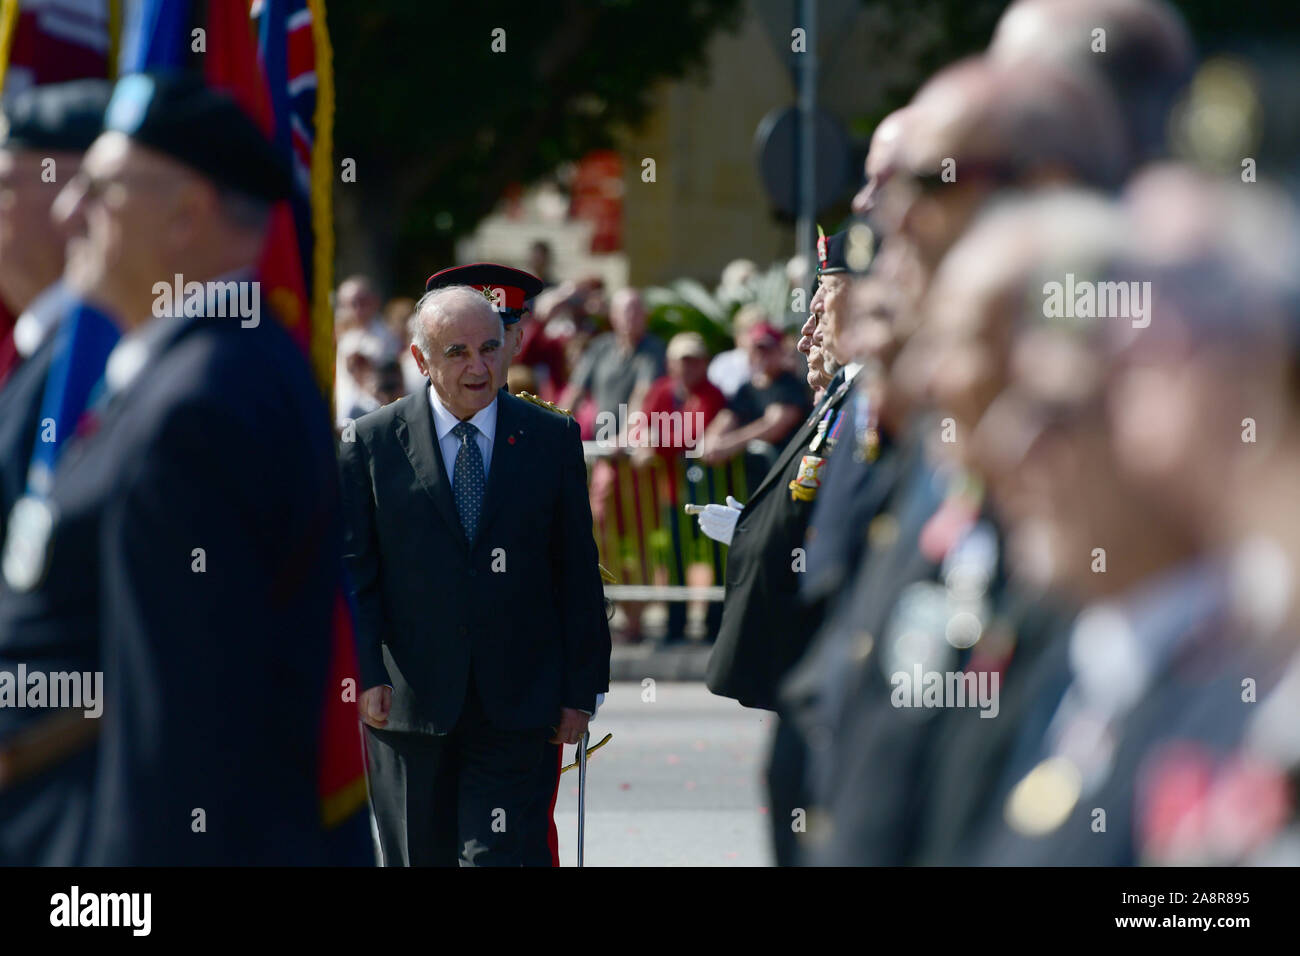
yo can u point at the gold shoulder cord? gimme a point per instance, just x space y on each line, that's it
530 397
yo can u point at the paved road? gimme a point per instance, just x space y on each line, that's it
679 785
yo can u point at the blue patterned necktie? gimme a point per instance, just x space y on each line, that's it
468 479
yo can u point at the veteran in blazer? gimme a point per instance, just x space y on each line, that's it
481 618
765 626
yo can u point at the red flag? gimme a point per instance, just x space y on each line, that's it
232 64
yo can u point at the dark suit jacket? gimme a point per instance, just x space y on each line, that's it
1196 700
214 679
521 607
765 628
849 499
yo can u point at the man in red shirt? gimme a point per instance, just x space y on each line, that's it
686 391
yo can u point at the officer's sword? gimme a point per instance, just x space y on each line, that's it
582 789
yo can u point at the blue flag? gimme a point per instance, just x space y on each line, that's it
81 347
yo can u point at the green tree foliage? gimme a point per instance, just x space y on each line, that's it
440 125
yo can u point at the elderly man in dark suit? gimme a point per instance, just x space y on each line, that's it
481 630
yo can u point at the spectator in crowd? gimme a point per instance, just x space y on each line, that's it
357 309
519 378
389 383
618 367
541 261
764 411
361 355
730 369
397 313
357 306
543 333
687 395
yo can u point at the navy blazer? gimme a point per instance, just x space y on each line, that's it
198 545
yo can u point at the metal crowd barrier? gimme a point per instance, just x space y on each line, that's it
643 533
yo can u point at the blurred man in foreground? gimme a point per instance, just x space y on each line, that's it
191 534
55 123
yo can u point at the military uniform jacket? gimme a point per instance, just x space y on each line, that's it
765 627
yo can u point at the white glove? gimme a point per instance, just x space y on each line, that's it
719 521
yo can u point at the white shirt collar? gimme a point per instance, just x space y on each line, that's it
132 353
1118 646
136 347
41 317
485 420
851 370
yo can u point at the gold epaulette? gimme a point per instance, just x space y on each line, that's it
530 397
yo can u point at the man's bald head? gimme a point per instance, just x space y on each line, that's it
355 303
977 128
459 341
1030 125
1147 60
991 280
882 159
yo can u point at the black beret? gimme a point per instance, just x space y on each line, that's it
56 116
515 286
178 115
852 250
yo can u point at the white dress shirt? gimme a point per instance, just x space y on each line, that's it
444 421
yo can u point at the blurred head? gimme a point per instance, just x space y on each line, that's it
1049 428
688 358
1200 396
31 245
1073 506
977 128
397 313
960 360
46 130
539 258
627 314
135 216
874 329
355 303
738 273
746 317
764 347
1148 57
389 384
882 160
460 344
